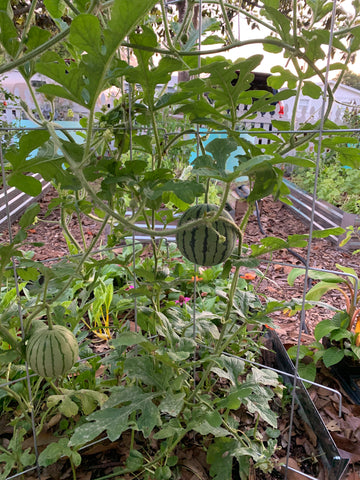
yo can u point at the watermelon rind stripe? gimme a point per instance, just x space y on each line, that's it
60 346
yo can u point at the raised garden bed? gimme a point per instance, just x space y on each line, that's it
325 214
17 201
331 459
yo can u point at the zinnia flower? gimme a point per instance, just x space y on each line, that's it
182 300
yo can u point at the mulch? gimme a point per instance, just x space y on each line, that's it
275 220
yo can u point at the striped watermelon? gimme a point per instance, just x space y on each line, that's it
204 244
52 352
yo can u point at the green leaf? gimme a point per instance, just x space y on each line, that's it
220 457
279 20
163 473
36 37
270 47
28 217
332 356
304 351
318 290
316 275
231 368
25 183
135 460
85 33
326 232
148 77
132 338
90 399
355 41
349 157
115 421
28 143
9 462
170 429
307 371
146 370
66 406
56 8
172 403
268 244
82 82
353 278
27 458
186 190
323 329
312 90
54 451
277 81
8 33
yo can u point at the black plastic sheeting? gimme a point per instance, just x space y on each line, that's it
329 453
349 377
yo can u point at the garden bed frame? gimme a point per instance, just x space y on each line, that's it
18 202
276 356
325 215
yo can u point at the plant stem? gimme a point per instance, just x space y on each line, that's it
79 220
226 20
64 226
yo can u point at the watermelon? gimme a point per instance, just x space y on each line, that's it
52 352
206 244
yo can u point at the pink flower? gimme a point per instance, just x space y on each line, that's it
182 300
129 287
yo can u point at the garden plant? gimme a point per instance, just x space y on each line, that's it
177 325
336 338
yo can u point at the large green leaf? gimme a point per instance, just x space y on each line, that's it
231 368
27 144
56 8
332 356
146 370
318 290
143 74
316 275
8 33
115 421
82 82
186 190
220 457
54 451
25 183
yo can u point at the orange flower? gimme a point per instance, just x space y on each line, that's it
198 279
249 276
357 332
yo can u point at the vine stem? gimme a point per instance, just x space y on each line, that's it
39 308
227 23
220 345
26 28
64 226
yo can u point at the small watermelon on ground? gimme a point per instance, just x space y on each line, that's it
52 352
206 244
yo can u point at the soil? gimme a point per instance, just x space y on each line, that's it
275 219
